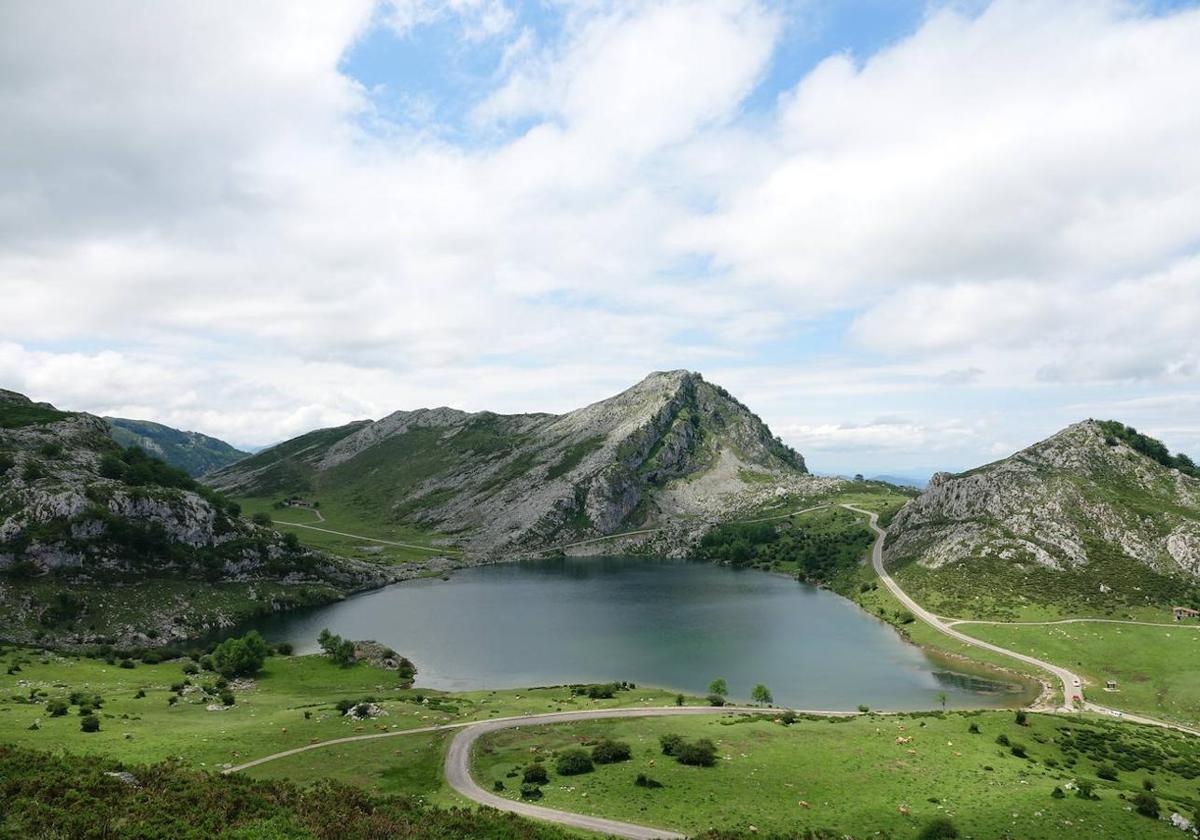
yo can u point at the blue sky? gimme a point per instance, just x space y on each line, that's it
911 236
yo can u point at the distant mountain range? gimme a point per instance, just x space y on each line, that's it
674 448
192 452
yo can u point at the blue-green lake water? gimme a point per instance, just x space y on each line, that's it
652 622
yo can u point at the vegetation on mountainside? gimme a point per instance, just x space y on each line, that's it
814 546
15 414
168 800
192 452
1152 448
886 775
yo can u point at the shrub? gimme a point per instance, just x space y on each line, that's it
1146 805
1018 750
206 662
864 708
787 718
127 663
905 617
678 699
498 786
1086 789
284 649
263 519
715 700
645 781
939 828
1057 793
531 792
535 774
610 752
670 744
762 695
240 657
340 650
141 692
191 668
56 708
91 723
1107 771
1147 785
701 753
973 728
227 698
573 762
1002 739
1021 718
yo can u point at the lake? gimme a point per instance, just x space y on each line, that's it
666 623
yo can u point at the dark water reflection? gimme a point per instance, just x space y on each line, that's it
655 622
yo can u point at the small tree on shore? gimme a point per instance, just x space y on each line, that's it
718 687
762 695
240 657
340 650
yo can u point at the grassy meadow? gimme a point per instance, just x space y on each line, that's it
1157 669
867 776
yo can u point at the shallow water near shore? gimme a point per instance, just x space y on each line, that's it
657 622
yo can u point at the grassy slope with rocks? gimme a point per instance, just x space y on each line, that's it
100 543
192 452
674 449
867 776
1083 523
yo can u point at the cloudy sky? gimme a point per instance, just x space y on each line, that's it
910 235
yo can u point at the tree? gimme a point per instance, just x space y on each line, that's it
573 762
942 699
340 650
761 695
718 687
91 723
263 519
240 657
670 743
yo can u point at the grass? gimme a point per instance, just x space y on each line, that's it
855 778
14 415
1157 669
268 717
341 517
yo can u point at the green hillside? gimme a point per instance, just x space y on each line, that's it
192 452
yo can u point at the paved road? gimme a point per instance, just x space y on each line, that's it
1070 682
458 766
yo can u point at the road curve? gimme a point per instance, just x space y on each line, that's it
458 765
1071 683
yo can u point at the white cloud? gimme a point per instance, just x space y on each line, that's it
1009 197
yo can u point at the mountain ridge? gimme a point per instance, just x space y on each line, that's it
193 452
1083 502
672 444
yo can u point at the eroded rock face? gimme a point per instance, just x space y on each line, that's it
1045 504
59 514
673 445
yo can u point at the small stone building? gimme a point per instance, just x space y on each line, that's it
1110 685
1185 612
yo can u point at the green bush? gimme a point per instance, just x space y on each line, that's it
701 753
715 700
531 792
240 657
671 743
610 752
535 774
939 828
91 723
263 519
56 708
1107 771
1146 805
340 650
1058 793
645 781
573 762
